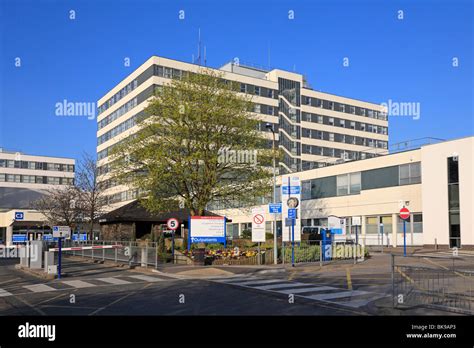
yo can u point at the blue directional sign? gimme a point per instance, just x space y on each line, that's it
83 236
19 215
274 208
294 190
48 237
19 238
292 213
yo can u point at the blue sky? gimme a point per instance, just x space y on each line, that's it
79 60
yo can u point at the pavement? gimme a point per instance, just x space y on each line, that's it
339 288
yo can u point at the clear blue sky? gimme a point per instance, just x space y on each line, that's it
79 60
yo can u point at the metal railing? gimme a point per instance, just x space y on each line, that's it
148 254
445 283
133 253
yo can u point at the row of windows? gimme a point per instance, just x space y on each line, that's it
122 127
338 153
343 138
169 73
339 122
117 96
353 183
117 113
348 109
58 167
34 179
410 173
121 196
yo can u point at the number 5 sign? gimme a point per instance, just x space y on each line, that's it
172 224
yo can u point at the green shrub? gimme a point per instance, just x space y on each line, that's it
246 234
303 253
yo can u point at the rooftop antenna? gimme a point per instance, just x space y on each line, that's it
199 47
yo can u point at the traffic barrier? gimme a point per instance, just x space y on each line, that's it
88 248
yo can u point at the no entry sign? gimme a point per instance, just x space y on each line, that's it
404 213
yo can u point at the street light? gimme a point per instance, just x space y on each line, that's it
269 126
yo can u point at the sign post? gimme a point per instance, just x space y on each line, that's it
404 215
356 222
173 225
61 232
258 228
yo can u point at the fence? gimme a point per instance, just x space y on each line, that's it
445 283
147 254
133 253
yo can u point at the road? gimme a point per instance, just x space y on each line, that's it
104 290
97 289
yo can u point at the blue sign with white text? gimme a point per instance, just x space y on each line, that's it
292 213
19 215
293 190
19 238
274 208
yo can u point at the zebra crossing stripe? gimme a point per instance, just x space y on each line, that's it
333 295
145 278
79 284
362 302
303 290
4 293
278 286
113 280
257 282
39 288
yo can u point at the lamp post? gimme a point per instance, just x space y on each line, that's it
269 126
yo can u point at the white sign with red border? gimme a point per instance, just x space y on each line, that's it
404 213
172 224
258 225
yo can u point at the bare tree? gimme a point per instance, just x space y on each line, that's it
90 191
60 206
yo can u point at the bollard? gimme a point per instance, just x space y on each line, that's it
36 254
116 251
143 262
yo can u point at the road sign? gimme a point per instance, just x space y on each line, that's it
291 213
274 208
292 202
172 224
291 196
62 231
19 215
404 213
258 225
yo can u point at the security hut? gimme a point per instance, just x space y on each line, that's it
132 221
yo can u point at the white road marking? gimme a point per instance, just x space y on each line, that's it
302 290
39 288
4 293
278 286
363 302
78 284
145 278
113 280
258 282
333 295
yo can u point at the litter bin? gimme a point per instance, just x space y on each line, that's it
199 256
